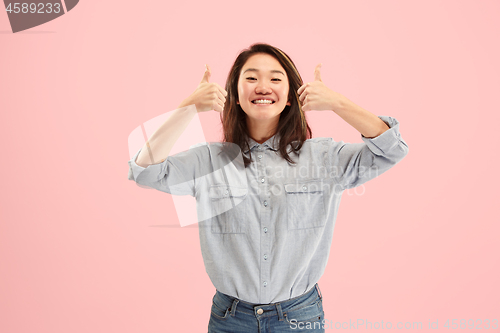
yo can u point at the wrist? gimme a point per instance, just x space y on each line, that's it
185 103
342 104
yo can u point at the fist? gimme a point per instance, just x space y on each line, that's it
208 96
317 96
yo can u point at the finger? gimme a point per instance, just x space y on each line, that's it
317 73
301 97
222 90
219 106
305 107
220 100
301 89
220 97
206 75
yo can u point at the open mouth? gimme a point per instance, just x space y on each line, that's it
263 101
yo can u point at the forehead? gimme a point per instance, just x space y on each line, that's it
263 63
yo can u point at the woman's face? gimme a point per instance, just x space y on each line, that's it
263 87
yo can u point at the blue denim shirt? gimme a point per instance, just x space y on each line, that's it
266 230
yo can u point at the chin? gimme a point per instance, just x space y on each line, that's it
263 115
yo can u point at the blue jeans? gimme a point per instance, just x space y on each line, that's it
299 314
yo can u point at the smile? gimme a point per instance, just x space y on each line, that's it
263 101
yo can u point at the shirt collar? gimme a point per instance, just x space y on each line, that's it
271 143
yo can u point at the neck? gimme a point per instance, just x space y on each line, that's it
261 130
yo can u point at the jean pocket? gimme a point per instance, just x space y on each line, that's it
305 205
307 314
228 209
220 313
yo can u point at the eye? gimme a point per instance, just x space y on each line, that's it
252 78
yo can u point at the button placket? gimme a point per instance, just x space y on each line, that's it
264 220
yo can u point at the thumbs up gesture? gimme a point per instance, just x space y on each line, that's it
207 96
317 96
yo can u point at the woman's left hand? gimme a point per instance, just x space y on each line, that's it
317 96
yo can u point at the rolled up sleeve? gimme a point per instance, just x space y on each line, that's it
175 175
356 163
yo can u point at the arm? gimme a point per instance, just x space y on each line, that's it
355 163
367 123
151 164
158 147
208 96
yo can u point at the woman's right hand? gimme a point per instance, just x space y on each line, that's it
208 96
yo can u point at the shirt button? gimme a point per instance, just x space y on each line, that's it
304 188
227 192
265 283
262 180
260 156
260 311
265 256
265 229
265 203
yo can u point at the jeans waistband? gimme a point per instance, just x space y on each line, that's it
270 309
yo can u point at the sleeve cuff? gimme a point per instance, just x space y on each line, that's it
381 144
136 172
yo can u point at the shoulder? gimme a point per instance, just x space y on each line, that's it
216 150
315 146
318 143
319 140
201 144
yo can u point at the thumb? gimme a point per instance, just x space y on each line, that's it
317 74
207 74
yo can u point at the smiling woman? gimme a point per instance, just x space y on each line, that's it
262 95
267 244
264 72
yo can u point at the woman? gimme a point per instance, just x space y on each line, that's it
266 239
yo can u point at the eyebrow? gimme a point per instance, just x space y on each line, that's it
256 70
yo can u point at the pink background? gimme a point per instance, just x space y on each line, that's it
83 249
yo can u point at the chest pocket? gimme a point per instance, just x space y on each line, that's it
228 209
305 205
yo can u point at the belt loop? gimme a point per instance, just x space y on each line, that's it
280 311
319 292
233 307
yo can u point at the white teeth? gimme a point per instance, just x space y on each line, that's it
262 101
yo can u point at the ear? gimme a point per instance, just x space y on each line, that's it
237 102
288 103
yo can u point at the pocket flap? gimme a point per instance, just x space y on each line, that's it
225 191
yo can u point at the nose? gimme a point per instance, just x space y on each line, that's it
263 88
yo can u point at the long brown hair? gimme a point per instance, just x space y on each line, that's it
292 125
